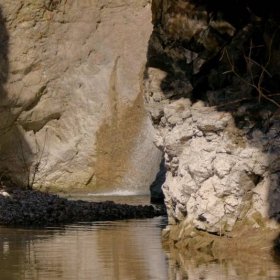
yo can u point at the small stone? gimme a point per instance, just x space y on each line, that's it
192 234
255 225
165 232
3 193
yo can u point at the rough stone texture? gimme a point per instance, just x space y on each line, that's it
71 105
211 83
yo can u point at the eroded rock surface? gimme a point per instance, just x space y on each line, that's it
211 90
71 108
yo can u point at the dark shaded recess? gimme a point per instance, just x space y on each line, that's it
51 4
4 49
202 83
236 10
14 169
156 56
236 13
157 196
4 71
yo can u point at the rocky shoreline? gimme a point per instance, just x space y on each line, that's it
34 208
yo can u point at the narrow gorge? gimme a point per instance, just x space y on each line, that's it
96 94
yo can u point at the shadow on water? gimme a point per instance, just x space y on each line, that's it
213 51
15 153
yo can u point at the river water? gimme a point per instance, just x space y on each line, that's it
117 250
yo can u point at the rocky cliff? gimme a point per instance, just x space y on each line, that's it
212 90
71 95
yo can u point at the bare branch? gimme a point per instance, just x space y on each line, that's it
258 87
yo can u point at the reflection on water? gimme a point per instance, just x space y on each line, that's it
242 266
117 250
129 249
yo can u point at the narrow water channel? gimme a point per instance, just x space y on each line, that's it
117 250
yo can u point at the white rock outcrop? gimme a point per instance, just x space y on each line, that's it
216 174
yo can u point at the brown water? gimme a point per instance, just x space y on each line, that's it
118 250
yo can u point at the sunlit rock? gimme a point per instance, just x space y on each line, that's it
72 114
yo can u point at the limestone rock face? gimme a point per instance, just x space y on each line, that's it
211 87
72 114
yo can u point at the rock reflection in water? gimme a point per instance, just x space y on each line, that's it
115 250
184 264
120 250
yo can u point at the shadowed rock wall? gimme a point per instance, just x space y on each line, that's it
212 90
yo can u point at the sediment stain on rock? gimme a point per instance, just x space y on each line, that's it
117 139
